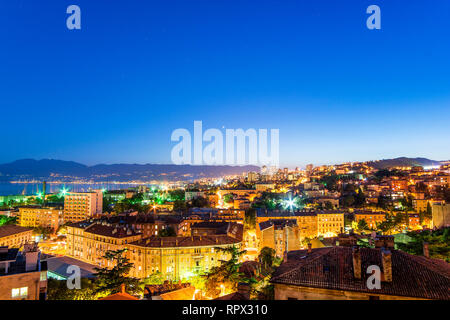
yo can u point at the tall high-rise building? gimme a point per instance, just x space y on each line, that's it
252 177
80 206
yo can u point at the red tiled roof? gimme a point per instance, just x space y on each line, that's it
119 296
11 229
193 241
111 231
332 268
233 296
180 294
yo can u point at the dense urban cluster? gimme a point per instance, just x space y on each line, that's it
275 234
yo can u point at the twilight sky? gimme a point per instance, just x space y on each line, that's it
137 70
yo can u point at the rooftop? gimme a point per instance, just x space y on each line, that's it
193 241
59 265
278 223
111 230
11 229
332 268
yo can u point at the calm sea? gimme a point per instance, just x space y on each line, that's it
8 189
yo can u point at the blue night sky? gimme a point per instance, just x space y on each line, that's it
115 90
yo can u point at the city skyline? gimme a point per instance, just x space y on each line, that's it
114 91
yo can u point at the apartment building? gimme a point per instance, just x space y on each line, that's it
441 215
372 218
34 217
89 240
79 206
182 257
15 236
330 224
311 224
281 235
22 274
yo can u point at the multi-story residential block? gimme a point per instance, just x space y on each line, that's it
22 275
209 228
79 206
414 221
33 217
372 218
399 184
241 203
307 224
183 256
199 215
252 177
310 223
191 195
88 241
279 234
261 187
420 205
330 224
441 215
15 236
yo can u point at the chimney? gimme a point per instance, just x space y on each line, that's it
356 262
426 250
32 256
244 289
285 256
386 258
309 247
122 288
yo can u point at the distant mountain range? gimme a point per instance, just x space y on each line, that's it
403 162
68 170
48 169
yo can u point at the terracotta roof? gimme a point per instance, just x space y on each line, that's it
110 230
193 241
11 229
119 296
233 296
235 230
81 224
122 295
209 225
180 294
332 268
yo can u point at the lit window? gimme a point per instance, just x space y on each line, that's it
15 292
19 292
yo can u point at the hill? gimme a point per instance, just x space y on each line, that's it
403 162
56 169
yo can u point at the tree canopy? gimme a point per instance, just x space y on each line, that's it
109 280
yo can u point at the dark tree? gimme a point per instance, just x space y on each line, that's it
109 280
